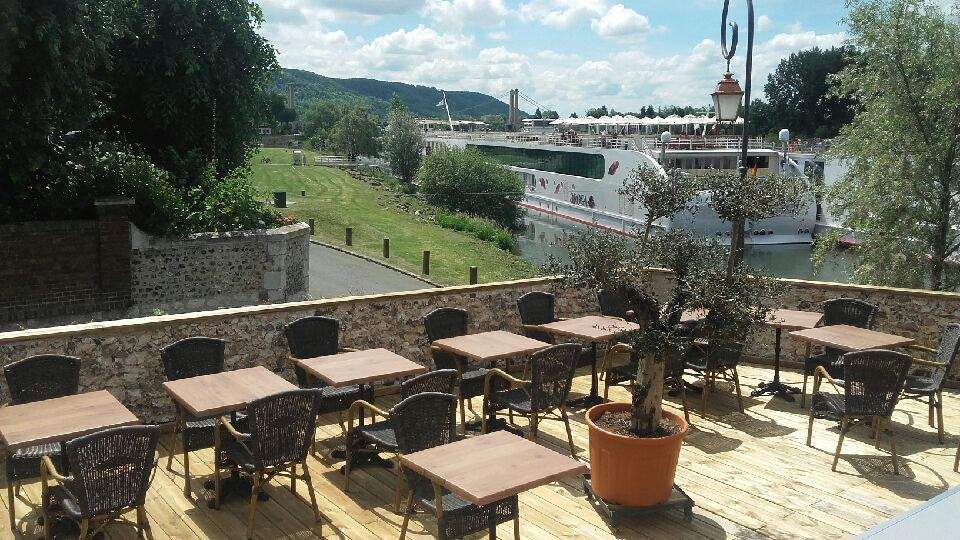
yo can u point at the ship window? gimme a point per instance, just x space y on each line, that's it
571 163
762 162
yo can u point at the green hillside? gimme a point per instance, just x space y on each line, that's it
420 100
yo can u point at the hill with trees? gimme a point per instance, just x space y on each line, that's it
421 101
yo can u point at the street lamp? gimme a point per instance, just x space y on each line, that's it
727 98
665 139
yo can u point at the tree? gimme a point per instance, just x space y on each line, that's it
902 190
551 115
660 196
763 120
496 122
318 120
799 92
463 180
356 132
403 142
188 83
597 112
537 113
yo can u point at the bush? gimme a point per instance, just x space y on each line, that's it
464 181
479 228
231 204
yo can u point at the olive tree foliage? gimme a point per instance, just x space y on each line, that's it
403 142
356 133
902 189
661 196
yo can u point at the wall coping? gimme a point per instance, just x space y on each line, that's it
141 323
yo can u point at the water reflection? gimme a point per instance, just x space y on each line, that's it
544 237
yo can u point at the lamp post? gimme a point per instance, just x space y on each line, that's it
727 101
784 140
665 139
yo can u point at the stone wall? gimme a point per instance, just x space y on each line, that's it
215 270
123 356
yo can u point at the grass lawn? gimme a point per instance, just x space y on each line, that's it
335 200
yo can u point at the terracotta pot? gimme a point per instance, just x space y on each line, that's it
629 471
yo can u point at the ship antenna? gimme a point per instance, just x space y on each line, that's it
447 106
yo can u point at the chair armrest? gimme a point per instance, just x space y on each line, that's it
348 349
292 359
558 319
921 348
497 372
613 353
359 405
532 327
49 470
928 363
233 431
818 376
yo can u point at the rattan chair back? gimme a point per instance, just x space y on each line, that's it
946 353
537 307
613 303
420 422
443 381
551 375
192 357
444 323
310 337
111 469
849 311
282 427
872 381
44 376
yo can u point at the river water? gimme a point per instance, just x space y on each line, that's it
544 233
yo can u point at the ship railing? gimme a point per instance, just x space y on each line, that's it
551 139
709 143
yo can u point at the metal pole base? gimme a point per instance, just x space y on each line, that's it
613 512
776 388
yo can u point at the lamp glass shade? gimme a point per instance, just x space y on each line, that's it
727 98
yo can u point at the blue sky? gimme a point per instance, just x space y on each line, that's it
567 54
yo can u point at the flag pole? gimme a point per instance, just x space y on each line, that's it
446 106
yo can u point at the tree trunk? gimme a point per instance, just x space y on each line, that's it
647 406
736 246
646 233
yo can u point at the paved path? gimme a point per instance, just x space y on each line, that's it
334 274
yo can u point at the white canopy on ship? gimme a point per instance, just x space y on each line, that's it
630 120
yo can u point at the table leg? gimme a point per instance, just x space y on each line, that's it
235 484
594 397
776 388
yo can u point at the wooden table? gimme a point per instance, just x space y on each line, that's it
850 338
61 419
780 320
592 328
491 467
225 392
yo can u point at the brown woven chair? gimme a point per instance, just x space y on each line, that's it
712 360
381 435
449 322
425 421
872 382
926 378
543 396
623 364
192 357
36 378
111 471
281 432
613 303
538 308
849 311
310 337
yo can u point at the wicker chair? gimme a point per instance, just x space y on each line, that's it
872 382
926 378
849 311
281 432
712 360
538 308
192 357
446 323
111 471
613 303
543 396
315 336
381 435
623 364
425 421
36 378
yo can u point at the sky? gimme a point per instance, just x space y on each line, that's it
566 55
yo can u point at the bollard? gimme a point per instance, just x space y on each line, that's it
313 227
348 236
386 248
303 193
280 199
473 275
426 262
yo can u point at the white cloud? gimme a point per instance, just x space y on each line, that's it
620 21
499 35
795 28
561 13
374 7
458 13
764 23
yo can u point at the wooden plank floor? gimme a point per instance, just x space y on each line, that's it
751 476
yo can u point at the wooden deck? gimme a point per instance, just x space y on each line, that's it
751 475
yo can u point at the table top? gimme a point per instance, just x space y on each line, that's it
790 319
693 315
488 468
229 391
591 327
850 338
61 419
360 367
489 346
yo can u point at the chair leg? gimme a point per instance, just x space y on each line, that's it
703 395
956 460
186 473
516 525
346 466
173 444
483 420
803 391
313 496
893 447
463 416
844 426
293 478
736 384
679 385
810 429
940 416
930 419
510 416
84 529
252 511
606 388
533 428
406 516
876 432
566 423
11 507
142 523
398 488
216 478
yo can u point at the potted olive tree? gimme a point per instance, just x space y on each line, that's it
635 447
